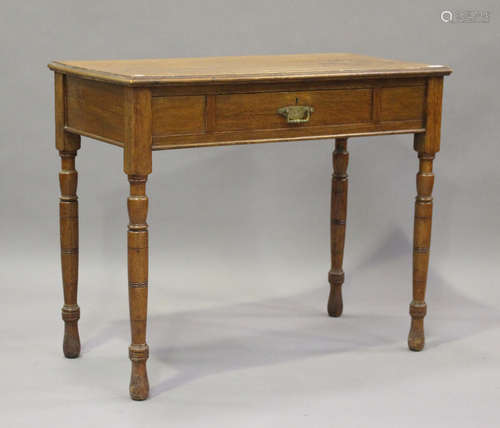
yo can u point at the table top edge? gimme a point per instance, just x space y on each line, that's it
164 81
209 71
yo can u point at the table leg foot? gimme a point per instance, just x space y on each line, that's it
139 384
416 338
71 342
335 303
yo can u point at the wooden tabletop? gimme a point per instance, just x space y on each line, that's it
244 69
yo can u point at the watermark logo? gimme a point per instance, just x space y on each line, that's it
465 16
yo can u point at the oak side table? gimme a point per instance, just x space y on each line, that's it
159 104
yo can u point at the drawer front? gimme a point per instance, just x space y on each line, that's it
402 103
260 110
184 117
178 115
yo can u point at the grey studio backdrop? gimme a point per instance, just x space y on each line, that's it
239 236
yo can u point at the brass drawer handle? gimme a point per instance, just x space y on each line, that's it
296 114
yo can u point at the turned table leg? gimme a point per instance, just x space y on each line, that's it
68 220
138 284
426 145
421 247
137 166
338 215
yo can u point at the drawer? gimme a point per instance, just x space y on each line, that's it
260 110
206 117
